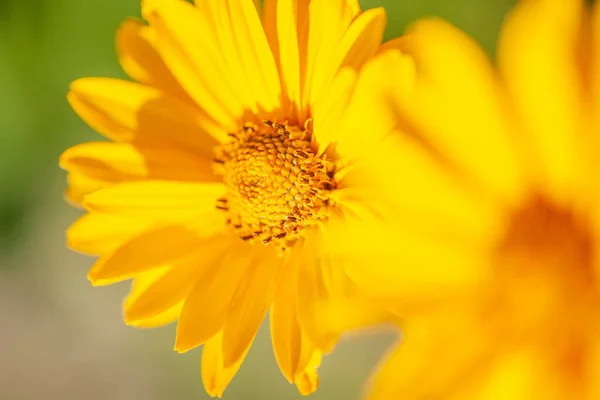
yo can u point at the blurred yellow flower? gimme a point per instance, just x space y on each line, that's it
496 263
224 177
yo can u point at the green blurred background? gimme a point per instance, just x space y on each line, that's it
59 337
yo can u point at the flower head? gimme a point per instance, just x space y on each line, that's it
496 264
224 177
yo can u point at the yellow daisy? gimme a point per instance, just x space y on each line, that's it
496 259
224 174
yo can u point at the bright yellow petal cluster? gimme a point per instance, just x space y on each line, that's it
226 175
278 158
495 184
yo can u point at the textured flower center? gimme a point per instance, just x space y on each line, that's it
277 183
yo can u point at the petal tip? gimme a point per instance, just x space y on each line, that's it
215 392
307 383
94 279
182 346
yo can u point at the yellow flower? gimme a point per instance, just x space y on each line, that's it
225 175
496 262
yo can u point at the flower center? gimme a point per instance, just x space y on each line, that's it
277 182
547 287
546 240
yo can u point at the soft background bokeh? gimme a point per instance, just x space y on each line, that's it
59 337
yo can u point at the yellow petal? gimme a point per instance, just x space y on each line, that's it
316 288
130 112
537 58
246 50
456 107
205 308
289 21
162 200
140 59
526 374
332 304
269 21
185 38
348 308
328 22
285 330
331 108
140 284
307 380
105 160
295 353
175 285
215 375
593 377
371 113
406 182
437 353
361 41
79 186
397 264
297 356
100 164
161 246
594 62
249 305
594 79
101 234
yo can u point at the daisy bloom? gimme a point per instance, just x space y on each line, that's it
224 176
496 262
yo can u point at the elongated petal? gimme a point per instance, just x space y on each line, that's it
114 162
328 22
332 108
131 112
288 23
249 306
245 46
285 330
205 308
79 186
329 303
407 371
594 61
524 374
407 273
175 285
457 107
99 164
185 38
314 290
235 71
538 55
163 200
432 200
359 43
371 113
101 234
215 374
140 284
162 246
140 59
296 355
269 22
